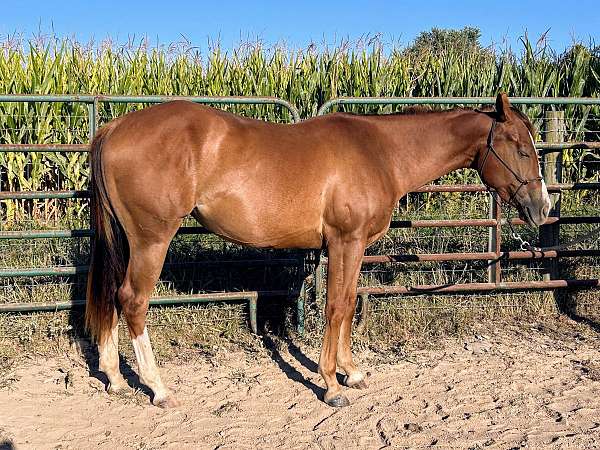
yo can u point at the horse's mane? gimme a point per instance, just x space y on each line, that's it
419 109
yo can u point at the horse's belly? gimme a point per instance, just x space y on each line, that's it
260 227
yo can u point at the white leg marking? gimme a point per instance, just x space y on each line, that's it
148 371
109 361
354 378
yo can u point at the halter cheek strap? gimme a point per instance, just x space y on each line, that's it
491 149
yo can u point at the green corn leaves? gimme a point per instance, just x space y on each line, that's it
305 77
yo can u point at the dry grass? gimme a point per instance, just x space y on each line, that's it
393 322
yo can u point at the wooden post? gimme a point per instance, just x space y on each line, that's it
552 171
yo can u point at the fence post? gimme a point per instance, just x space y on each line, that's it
495 239
319 278
301 299
92 118
92 128
552 161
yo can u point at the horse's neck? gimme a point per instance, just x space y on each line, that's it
423 147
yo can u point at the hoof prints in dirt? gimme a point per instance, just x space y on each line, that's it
523 390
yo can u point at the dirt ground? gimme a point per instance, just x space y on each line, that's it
535 386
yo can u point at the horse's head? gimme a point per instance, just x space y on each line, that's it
508 163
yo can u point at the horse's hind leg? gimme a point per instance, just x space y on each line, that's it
109 359
146 257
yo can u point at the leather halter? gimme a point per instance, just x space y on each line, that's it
491 149
525 246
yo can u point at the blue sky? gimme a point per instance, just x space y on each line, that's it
301 22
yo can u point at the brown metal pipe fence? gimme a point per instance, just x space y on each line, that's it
554 145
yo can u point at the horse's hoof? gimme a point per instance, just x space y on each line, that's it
338 401
167 402
357 382
118 389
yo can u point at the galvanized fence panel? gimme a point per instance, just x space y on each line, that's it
92 102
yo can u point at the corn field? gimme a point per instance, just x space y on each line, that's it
307 78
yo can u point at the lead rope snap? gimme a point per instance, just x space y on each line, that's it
524 245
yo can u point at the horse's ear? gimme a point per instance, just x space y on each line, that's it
502 107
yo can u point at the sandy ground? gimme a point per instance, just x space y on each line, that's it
535 386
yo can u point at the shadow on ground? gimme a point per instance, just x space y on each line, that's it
572 303
201 273
290 371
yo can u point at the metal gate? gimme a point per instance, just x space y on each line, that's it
92 102
549 232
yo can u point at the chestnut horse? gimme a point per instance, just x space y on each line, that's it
328 182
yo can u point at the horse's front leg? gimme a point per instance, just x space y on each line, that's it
354 377
345 256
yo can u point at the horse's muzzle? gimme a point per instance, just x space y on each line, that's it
534 204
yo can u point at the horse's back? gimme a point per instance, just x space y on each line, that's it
253 182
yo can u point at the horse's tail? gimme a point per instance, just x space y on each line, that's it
109 250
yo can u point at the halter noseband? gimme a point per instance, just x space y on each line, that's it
491 149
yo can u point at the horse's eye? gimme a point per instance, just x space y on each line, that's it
523 153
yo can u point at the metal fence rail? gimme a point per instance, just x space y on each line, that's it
251 297
445 101
494 223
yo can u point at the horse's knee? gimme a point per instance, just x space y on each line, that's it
335 312
338 311
134 308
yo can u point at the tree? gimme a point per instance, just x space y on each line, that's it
440 40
